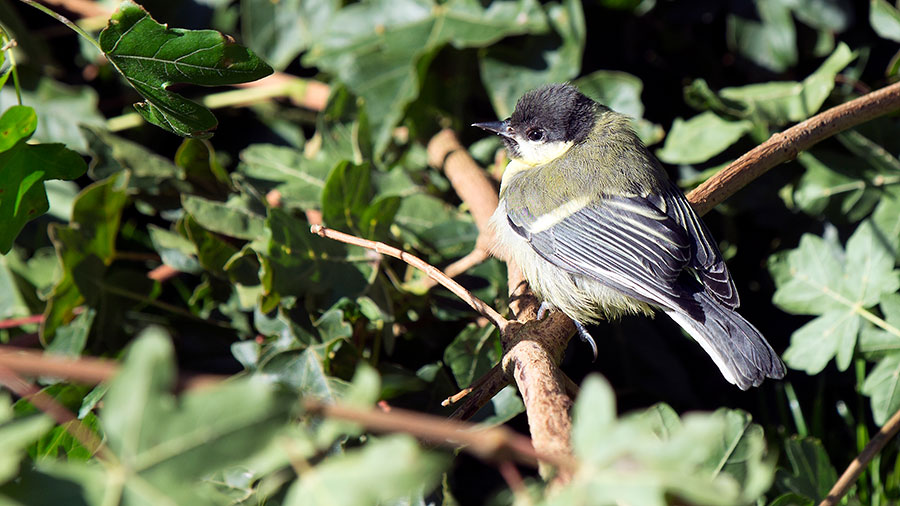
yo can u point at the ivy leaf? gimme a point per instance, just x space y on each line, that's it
382 472
298 179
164 447
86 247
25 167
508 71
152 57
781 102
812 474
885 19
380 49
818 278
701 138
474 351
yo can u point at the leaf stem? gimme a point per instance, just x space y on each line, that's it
8 45
64 20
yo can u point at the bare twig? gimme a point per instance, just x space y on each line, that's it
495 443
786 145
477 304
858 465
85 370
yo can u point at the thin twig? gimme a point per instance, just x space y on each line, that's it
858 465
461 266
495 443
477 304
87 370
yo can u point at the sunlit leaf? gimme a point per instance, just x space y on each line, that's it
25 168
152 57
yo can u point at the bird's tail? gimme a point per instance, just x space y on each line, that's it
742 354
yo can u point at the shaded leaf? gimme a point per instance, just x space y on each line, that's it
507 72
85 247
299 180
380 49
280 31
812 474
472 353
780 102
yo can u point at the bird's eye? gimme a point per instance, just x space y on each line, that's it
535 134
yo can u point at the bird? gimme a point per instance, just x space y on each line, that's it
600 231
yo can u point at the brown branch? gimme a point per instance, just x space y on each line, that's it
531 352
495 443
87 370
785 146
858 465
477 304
474 188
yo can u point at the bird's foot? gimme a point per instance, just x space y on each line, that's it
586 337
542 311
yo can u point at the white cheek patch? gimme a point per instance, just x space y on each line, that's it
537 153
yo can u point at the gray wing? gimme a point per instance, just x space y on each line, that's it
644 247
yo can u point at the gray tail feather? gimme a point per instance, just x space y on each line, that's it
742 354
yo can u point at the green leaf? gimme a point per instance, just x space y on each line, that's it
297 263
431 224
812 474
886 220
23 196
380 49
885 19
231 220
650 457
299 180
830 15
621 92
700 138
384 470
150 172
304 371
778 103
508 71
85 247
280 31
472 353
164 446
16 435
817 279
771 43
346 195
174 250
883 386
152 57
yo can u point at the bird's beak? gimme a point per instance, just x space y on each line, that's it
498 127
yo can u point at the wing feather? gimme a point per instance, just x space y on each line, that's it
640 246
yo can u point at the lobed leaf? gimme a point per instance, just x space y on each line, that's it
151 57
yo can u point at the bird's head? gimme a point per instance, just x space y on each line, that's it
546 123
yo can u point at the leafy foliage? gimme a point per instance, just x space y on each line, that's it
175 256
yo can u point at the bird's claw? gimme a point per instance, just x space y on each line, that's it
586 337
542 310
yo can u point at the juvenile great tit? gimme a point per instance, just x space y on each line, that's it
599 231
